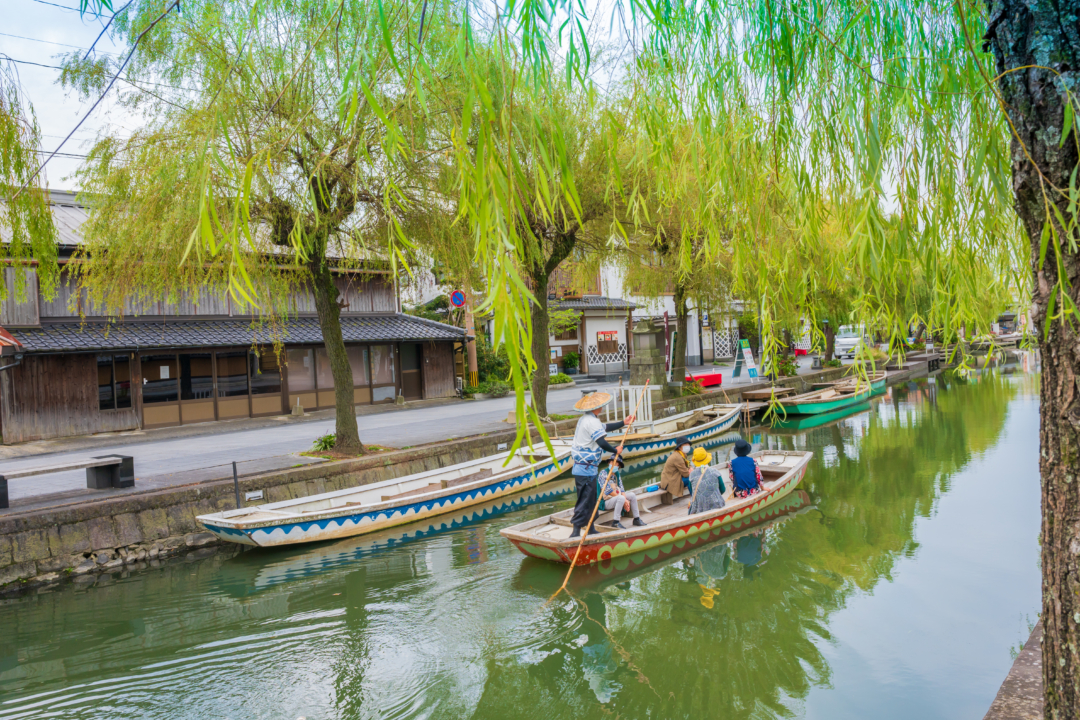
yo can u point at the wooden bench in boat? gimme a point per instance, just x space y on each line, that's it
106 471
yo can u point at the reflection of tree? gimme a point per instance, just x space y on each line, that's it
757 646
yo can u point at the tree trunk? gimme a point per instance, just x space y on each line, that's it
830 341
1037 34
540 352
326 299
540 271
678 354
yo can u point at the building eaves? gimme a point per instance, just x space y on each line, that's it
593 302
93 336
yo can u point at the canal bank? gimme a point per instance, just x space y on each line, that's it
46 545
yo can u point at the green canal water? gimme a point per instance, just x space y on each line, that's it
896 583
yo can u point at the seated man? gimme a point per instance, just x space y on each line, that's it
616 496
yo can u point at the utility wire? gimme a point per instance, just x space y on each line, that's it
134 47
69 8
51 42
60 154
58 67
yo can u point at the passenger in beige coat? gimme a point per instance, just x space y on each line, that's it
676 470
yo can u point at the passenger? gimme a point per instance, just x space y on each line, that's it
676 473
707 482
745 474
616 497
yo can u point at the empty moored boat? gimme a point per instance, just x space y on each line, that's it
876 380
549 538
826 400
368 508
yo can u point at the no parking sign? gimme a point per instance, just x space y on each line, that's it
457 299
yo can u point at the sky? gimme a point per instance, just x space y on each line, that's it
34 31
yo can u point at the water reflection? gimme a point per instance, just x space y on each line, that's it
448 621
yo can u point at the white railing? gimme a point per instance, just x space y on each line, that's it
626 396
725 342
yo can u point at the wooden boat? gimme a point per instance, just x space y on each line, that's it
251 573
807 422
826 400
548 537
544 577
660 435
369 508
877 382
767 393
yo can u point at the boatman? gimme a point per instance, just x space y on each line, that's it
587 451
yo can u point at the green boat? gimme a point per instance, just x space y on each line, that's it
825 400
805 422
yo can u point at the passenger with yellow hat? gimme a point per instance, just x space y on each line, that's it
706 482
587 451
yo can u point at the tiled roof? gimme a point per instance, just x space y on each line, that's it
593 302
136 334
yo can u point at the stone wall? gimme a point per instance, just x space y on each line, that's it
43 546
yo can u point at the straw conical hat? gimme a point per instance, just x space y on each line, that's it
592 401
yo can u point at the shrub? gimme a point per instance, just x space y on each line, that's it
490 363
497 388
866 353
692 388
571 360
324 443
786 366
834 363
559 379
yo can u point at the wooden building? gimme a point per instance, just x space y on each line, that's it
66 371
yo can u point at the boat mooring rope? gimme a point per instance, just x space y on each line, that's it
600 496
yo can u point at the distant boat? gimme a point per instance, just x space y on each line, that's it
826 400
697 425
369 508
806 422
548 537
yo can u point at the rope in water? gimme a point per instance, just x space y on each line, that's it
600 495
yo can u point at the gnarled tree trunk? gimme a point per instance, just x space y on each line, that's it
830 342
326 304
1043 38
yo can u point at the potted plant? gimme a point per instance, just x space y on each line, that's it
570 362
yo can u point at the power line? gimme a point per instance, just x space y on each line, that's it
52 42
70 9
57 67
60 154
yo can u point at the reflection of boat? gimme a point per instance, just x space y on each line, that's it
877 382
367 508
697 425
253 572
545 577
549 537
805 422
825 400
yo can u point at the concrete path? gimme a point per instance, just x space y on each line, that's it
1021 695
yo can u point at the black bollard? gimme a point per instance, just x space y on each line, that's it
236 484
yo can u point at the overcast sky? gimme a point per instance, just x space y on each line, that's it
52 30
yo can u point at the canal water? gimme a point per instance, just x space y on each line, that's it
897 582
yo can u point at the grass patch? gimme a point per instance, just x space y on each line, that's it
332 454
558 416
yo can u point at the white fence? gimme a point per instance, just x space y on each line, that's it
615 361
626 396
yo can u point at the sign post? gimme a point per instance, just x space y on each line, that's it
748 357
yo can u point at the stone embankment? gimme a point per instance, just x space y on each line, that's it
42 547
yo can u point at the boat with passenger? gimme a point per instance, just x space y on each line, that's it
667 518
369 508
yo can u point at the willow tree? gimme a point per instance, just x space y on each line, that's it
278 124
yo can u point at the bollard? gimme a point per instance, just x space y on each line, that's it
236 485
